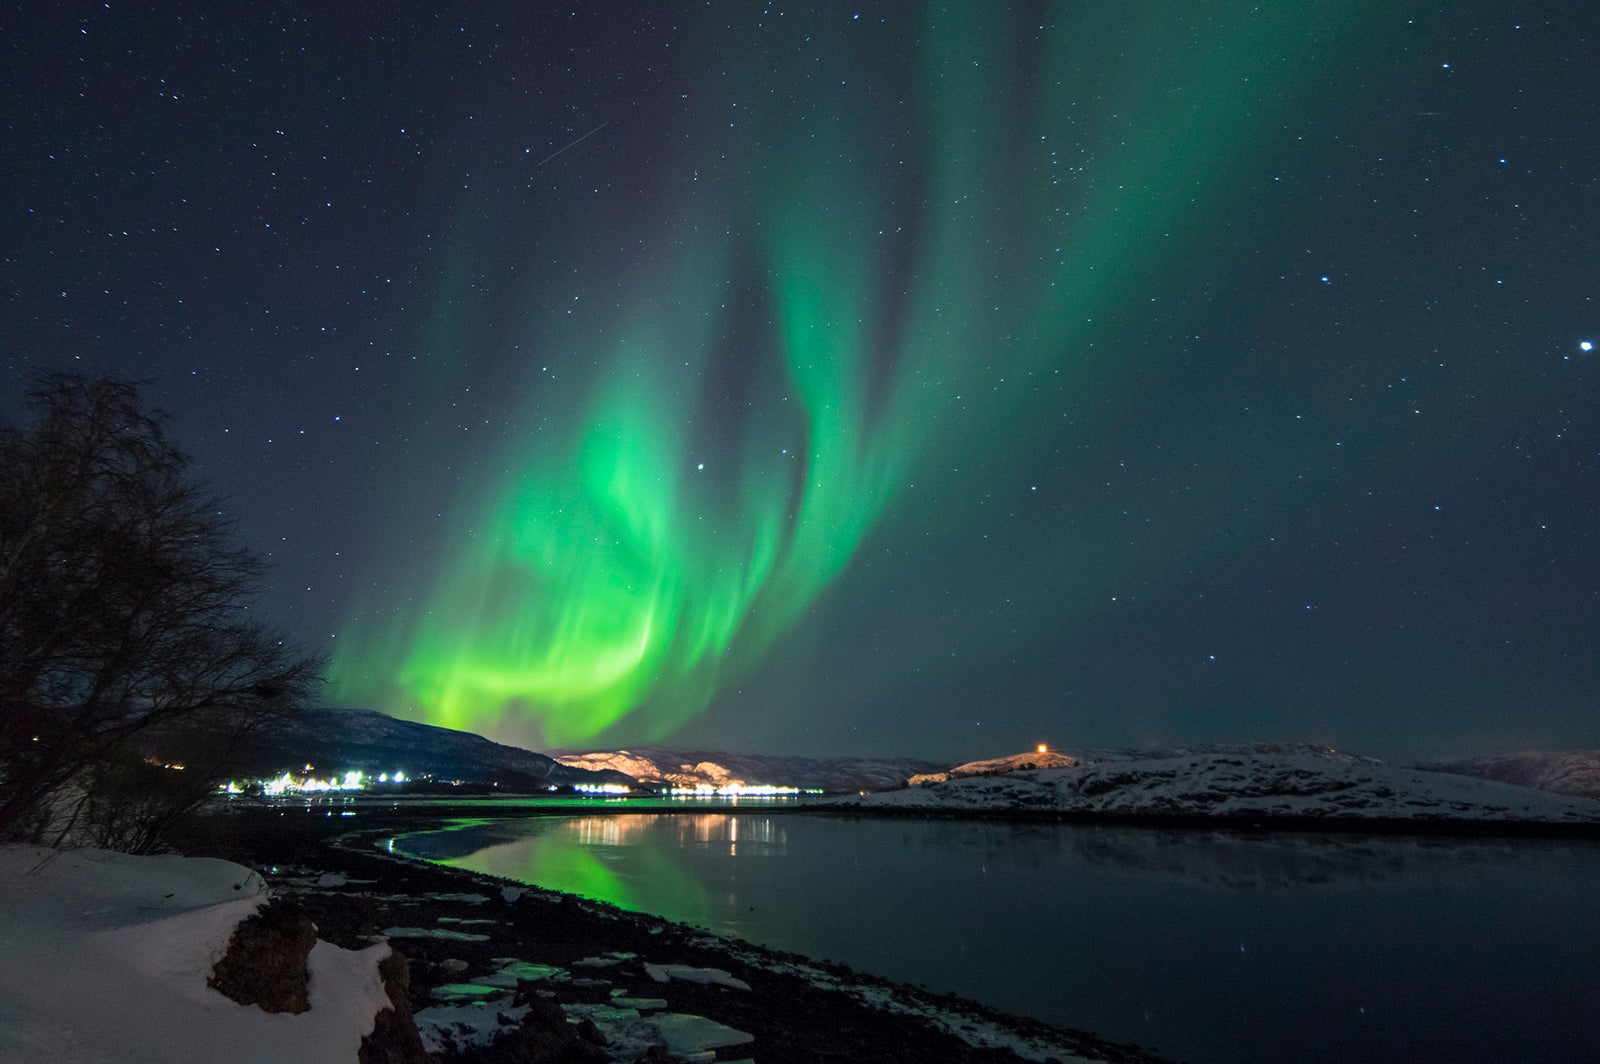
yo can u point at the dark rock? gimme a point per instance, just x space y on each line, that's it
394 1038
654 1055
591 1034
266 960
543 1037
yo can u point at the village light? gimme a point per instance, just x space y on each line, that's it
1043 749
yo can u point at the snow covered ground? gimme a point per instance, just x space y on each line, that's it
104 959
1244 782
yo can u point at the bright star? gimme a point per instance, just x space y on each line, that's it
1585 345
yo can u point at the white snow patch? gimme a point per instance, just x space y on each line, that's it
106 956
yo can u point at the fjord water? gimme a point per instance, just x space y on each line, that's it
1205 946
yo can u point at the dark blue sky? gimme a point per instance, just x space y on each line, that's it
1184 377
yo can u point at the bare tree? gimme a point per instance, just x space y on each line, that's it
123 609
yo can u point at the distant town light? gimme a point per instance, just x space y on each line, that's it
601 788
1043 749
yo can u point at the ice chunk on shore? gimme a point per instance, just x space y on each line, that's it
456 1027
621 999
605 960
434 932
511 972
685 1034
460 992
687 1037
689 974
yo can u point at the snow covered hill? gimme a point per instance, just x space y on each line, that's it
1243 783
107 958
995 766
1561 771
690 768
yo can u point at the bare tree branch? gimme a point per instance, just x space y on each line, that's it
123 608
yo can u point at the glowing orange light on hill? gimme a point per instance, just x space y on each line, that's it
1043 749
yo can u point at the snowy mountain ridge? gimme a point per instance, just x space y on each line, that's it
1243 784
719 768
343 740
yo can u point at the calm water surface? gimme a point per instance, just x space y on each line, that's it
1204 946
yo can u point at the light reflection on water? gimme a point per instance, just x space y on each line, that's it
1207 945
760 834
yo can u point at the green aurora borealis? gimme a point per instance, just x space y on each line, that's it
894 378
862 294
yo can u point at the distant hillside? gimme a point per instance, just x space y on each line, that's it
346 740
996 766
690 768
1560 771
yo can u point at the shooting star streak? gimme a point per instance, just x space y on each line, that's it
580 140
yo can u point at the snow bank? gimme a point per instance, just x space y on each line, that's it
106 956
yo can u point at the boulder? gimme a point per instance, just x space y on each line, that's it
265 964
394 1038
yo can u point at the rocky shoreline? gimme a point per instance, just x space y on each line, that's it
502 972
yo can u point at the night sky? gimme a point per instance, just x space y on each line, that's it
829 378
